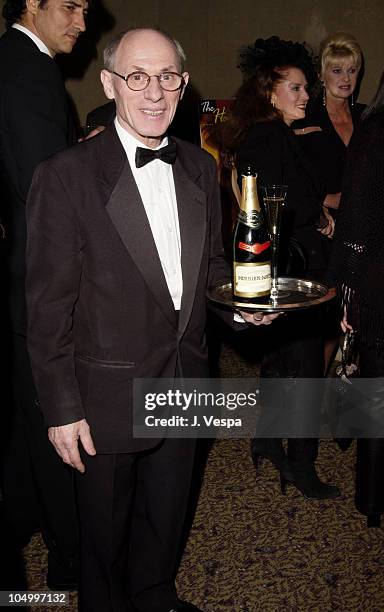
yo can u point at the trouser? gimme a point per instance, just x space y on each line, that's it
369 496
132 510
38 486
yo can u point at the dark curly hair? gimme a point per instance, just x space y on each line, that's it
263 65
14 9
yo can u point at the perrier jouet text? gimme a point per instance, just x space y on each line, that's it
251 245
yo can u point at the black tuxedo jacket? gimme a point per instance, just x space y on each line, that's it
275 153
100 313
34 123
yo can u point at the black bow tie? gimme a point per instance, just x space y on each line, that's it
166 154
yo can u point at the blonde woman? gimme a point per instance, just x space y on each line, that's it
332 115
327 130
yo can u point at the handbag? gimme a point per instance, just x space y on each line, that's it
345 392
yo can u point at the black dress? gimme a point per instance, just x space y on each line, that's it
357 268
326 150
292 346
328 156
277 156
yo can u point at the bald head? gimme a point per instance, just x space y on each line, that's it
111 49
145 102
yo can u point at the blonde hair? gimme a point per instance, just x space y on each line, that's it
339 46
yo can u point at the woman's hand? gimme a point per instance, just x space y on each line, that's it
329 229
345 326
332 200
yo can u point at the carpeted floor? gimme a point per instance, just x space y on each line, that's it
252 549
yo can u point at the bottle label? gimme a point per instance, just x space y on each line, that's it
256 248
251 280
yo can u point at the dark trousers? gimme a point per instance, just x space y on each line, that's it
132 510
369 495
38 486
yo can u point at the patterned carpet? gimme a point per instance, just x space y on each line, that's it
252 549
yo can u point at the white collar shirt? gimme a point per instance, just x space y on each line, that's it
38 42
156 186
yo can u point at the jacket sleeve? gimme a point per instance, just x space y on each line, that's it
219 270
36 119
54 267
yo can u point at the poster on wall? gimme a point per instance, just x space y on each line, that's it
212 112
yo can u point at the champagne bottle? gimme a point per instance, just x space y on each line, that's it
251 245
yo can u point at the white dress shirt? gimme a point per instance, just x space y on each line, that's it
157 190
38 42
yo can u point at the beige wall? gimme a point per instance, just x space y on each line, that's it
212 31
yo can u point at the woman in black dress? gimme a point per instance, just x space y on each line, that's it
332 115
325 133
273 95
357 266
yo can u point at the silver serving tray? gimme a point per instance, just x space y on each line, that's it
293 294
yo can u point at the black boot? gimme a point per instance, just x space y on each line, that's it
302 454
343 443
369 495
271 449
306 480
374 520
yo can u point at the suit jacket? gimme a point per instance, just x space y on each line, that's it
34 123
100 313
276 154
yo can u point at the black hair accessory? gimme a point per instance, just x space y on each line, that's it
275 52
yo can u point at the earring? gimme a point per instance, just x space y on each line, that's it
273 102
324 96
352 100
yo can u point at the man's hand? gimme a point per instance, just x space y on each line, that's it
65 440
92 133
259 318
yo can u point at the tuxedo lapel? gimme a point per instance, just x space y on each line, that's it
191 204
127 213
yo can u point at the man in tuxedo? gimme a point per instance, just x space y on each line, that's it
124 236
35 123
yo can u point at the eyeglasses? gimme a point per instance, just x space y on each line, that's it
137 81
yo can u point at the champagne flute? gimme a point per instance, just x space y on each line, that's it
274 199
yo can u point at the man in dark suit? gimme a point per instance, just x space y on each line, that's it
120 254
35 123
